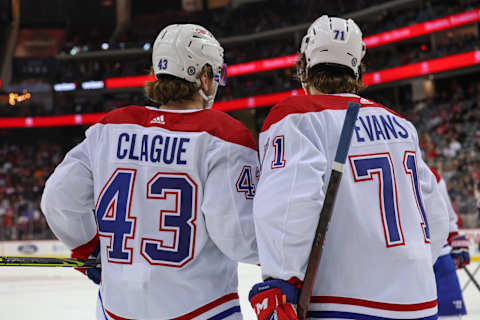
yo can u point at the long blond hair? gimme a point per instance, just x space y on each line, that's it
167 88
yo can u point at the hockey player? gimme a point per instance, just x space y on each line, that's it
454 254
171 188
389 222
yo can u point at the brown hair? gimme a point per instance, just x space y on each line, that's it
329 78
168 88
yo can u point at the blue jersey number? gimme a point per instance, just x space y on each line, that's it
115 222
245 182
365 167
179 221
279 158
410 166
113 215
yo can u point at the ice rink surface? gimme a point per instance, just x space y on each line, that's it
63 293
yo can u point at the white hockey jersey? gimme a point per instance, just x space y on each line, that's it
172 193
388 224
452 215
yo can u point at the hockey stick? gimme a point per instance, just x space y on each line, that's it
48 262
472 277
470 280
326 212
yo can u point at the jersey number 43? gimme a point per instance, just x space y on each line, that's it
116 223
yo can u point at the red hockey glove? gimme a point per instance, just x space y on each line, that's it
459 253
274 299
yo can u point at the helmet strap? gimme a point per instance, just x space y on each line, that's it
305 86
208 100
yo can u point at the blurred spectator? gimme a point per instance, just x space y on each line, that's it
23 172
448 123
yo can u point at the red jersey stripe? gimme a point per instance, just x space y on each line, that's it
375 304
207 307
435 173
314 103
114 316
215 123
194 313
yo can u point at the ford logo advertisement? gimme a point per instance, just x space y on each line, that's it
27 248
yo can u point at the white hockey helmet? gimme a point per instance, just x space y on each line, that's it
181 50
331 40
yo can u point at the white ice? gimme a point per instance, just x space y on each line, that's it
62 293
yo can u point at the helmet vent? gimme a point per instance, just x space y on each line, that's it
190 43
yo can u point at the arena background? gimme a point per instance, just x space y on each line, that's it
63 64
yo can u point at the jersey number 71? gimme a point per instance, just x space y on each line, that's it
380 165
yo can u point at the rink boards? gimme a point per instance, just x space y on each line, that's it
54 248
62 293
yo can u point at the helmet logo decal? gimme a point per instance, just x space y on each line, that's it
354 62
191 70
203 32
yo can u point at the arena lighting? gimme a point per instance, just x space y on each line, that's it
452 62
14 98
423 28
128 82
65 86
74 51
232 71
257 101
372 41
52 121
262 65
424 68
91 85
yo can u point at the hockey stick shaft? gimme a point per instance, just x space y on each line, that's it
48 262
326 212
470 280
472 277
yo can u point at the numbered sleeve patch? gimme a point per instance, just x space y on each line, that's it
245 182
279 155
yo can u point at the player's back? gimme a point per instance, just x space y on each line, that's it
169 241
377 259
